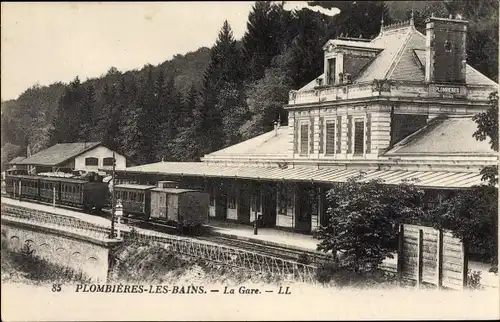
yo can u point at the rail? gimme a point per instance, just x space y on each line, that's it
221 254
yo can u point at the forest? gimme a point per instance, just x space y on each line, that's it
211 98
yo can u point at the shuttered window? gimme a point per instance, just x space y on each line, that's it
330 138
295 136
311 135
304 138
359 136
321 136
349 134
368 134
339 134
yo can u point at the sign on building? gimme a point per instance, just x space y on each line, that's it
431 256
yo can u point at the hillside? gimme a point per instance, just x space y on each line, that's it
27 119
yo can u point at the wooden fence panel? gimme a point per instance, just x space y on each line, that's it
428 255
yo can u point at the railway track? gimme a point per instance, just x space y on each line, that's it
244 245
269 250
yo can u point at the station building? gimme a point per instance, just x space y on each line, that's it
397 107
67 157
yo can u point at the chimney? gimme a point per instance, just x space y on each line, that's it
445 50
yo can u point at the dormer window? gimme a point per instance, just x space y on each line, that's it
331 71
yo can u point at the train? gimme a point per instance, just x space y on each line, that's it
166 203
186 209
87 193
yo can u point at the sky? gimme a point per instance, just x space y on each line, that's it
48 42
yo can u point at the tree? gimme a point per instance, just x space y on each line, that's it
487 127
66 121
265 36
148 121
224 69
266 97
362 221
87 126
9 152
472 215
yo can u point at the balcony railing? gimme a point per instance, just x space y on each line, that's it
388 88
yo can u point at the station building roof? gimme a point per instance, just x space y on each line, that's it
429 179
273 143
444 136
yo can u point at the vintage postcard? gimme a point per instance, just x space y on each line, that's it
260 160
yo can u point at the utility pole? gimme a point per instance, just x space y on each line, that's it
112 233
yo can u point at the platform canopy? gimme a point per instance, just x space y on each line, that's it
428 179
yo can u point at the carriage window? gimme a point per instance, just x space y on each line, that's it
107 161
91 161
141 197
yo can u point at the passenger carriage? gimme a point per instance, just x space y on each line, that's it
83 193
135 199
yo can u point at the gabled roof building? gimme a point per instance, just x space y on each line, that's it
397 107
85 156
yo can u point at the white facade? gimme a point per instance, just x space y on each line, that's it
87 161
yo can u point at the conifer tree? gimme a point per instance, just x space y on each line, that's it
66 121
87 127
224 69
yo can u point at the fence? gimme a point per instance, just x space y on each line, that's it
187 246
231 256
51 220
428 255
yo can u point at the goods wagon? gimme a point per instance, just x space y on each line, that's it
182 206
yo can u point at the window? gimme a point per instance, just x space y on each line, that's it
304 138
331 71
359 135
330 138
91 161
107 161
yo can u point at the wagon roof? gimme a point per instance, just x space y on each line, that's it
174 190
134 186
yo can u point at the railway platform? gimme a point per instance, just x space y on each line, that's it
266 236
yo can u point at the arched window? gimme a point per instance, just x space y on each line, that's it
91 161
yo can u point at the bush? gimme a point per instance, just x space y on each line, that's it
361 221
474 280
325 271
